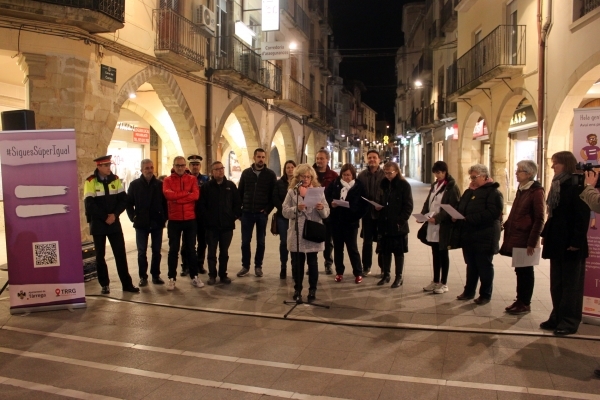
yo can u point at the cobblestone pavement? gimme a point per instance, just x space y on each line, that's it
232 342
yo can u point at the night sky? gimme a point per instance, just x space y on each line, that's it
365 28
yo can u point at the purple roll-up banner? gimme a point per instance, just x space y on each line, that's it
586 132
41 214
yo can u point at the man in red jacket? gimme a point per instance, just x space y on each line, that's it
181 191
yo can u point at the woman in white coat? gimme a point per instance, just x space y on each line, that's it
307 250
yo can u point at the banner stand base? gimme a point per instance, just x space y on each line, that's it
23 310
587 319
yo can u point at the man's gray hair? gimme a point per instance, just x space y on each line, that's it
529 167
179 158
145 161
480 169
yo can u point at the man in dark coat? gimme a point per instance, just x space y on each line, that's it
325 176
147 209
104 200
256 193
220 207
481 205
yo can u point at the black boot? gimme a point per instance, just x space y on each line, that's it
312 295
384 279
398 280
283 272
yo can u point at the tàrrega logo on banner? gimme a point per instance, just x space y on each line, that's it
65 292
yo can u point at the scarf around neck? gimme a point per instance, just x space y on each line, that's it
554 194
346 186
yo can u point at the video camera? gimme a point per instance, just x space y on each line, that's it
578 178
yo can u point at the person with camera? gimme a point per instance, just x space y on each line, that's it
564 238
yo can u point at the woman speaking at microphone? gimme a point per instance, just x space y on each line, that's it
301 249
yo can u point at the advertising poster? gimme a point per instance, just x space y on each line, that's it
41 211
586 131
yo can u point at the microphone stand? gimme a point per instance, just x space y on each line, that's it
298 275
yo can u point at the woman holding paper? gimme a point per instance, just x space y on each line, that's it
301 249
279 194
439 226
481 205
395 197
344 196
565 244
522 230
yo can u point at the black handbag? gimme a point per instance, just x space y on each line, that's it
313 231
274 230
422 234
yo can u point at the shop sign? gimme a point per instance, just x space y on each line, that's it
275 51
108 74
141 135
480 129
452 131
523 116
270 15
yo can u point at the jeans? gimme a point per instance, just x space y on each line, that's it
175 230
141 241
201 249
525 281
298 269
346 237
479 267
282 227
249 219
222 239
386 262
117 243
441 263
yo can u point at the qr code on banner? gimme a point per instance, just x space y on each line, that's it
45 254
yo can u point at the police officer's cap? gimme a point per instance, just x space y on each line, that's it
103 160
195 159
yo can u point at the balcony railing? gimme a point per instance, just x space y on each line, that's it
288 6
588 6
448 14
178 35
504 46
112 8
302 20
238 56
322 113
299 94
317 52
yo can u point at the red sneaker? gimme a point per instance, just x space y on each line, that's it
358 279
338 278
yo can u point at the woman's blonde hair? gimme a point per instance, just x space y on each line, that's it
304 169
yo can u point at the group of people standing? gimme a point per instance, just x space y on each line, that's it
378 201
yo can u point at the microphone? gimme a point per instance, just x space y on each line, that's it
298 185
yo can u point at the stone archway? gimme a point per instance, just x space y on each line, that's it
239 128
283 140
172 98
465 145
310 150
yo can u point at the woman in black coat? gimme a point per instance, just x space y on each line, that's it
481 205
440 225
279 192
395 198
344 220
564 238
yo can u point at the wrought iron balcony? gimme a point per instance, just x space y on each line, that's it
94 16
302 20
295 97
499 55
321 115
316 53
178 41
239 66
449 16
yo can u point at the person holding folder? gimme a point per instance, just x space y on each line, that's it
522 229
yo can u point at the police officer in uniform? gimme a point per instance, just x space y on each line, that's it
194 166
105 199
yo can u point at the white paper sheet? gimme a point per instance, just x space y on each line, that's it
341 203
521 259
372 202
424 218
452 211
313 196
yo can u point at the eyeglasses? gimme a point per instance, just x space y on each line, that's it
179 165
388 173
305 177
474 177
